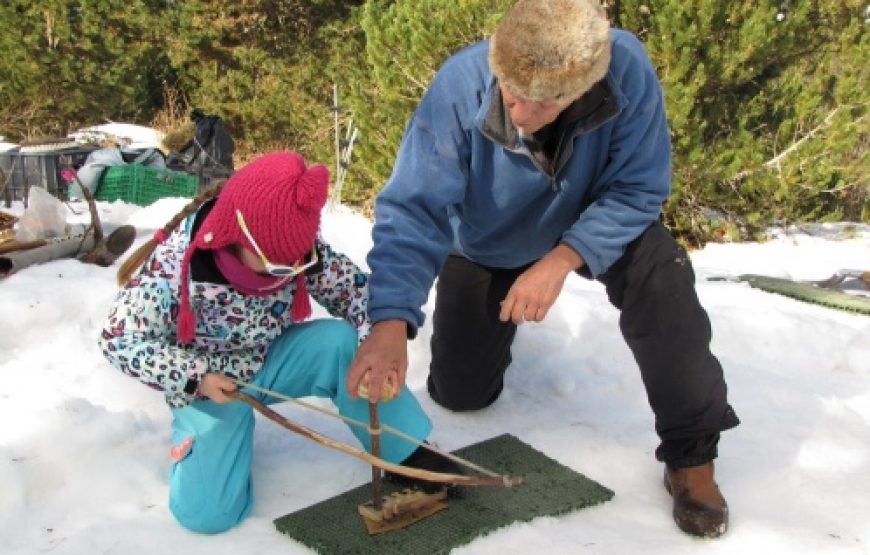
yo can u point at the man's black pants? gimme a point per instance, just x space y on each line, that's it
661 319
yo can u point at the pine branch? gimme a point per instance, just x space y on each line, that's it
741 176
794 146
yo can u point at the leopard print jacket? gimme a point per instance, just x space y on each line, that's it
233 331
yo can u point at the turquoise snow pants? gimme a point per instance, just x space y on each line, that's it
210 488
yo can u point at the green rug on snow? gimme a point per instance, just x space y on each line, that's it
549 488
809 293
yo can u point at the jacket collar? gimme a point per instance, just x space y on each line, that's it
587 113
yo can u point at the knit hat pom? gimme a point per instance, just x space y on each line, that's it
312 188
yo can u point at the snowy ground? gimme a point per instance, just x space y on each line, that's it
84 449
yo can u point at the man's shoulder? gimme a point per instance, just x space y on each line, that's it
631 72
476 49
626 48
463 80
474 57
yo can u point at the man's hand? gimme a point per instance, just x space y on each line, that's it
215 386
381 361
535 290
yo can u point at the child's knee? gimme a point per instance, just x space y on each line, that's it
206 521
340 348
213 517
338 336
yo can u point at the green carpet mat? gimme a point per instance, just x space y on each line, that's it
549 488
809 293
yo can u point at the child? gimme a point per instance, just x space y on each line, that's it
224 295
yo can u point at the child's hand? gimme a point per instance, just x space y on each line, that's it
214 387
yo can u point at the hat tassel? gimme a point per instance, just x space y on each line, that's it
186 325
186 322
301 304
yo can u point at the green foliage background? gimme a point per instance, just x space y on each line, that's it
769 117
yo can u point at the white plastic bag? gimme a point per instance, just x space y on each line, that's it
44 217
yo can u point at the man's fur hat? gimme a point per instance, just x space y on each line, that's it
551 49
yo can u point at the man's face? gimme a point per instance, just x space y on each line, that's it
529 116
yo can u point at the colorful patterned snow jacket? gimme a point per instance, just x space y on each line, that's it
233 331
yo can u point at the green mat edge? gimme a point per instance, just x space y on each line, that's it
606 494
808 293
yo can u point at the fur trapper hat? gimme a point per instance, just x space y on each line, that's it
551 49
280 200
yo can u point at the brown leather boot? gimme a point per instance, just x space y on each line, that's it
699 508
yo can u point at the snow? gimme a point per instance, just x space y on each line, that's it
84 449
128 134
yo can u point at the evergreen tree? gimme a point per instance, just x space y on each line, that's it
405 42
20 76
83 61
259 64
767 102
753 93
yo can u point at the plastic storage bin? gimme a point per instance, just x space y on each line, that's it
39 167
142 185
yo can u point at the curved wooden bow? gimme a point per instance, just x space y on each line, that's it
417 473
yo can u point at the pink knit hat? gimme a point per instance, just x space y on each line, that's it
280 200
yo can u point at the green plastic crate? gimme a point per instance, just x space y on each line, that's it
141 185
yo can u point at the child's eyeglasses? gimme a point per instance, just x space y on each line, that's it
275 269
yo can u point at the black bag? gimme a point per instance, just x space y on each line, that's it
209 154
